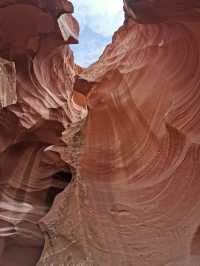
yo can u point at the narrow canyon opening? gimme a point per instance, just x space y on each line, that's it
98 21
99 165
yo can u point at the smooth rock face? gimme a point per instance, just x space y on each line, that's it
134 196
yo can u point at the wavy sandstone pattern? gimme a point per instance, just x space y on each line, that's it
135 194
36 80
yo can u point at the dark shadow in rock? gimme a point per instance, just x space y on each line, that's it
62 176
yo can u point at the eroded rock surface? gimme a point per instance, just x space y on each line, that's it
134 198
37 104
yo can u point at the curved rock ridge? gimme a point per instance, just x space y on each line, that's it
37 105
55 7
134 155
155 11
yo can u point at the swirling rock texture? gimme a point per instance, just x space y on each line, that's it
37 103
134 197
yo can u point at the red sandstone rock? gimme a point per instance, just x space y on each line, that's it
36 98
135 194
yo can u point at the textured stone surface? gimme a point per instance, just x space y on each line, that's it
36 98
8 83
135 194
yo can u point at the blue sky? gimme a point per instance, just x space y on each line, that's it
98 20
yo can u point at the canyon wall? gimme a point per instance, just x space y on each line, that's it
133 153
37 104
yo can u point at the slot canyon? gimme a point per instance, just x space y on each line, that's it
100 165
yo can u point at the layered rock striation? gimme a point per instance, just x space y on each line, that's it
134 157
37 104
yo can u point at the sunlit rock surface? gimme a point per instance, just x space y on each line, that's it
134 157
